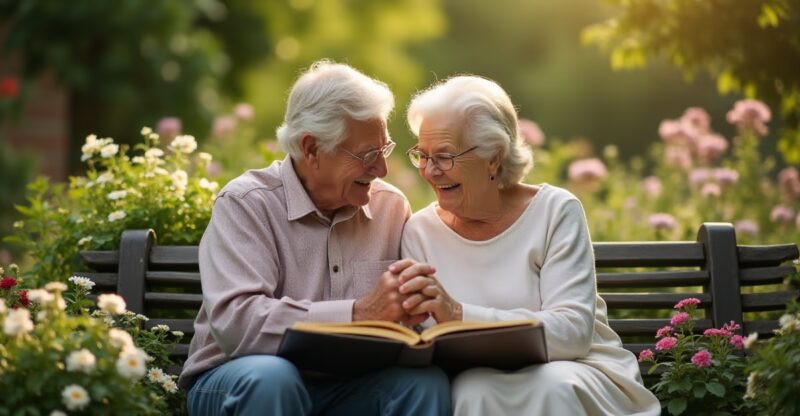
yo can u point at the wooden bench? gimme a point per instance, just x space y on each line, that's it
640 282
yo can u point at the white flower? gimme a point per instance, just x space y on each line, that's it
210 185
82 282
177 333
153 153
120 339
117 195
81 360
105 177
183 144
156 375
161 171
160 328
57 413
109 150
40 296
91 147
138 160
56 287
750 341
131 363
3 308
111 303
179 180
169 386
18 321
205 157
74 397
2 270
19 224
789 322
146 131
116 215
84 240
751 386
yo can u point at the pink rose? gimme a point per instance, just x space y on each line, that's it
687 302
665 331
737 341
646 355
702 359
666 343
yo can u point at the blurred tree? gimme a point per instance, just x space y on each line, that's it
125 63
15 171
751 46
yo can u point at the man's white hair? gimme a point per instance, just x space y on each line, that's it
321 101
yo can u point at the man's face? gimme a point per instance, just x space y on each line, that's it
342 179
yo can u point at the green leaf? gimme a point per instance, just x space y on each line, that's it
716 389
677 406
699 391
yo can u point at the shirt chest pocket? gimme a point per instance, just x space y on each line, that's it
365 275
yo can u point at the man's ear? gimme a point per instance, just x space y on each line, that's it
310 150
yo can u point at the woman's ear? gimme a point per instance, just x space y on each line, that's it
495 161
310 150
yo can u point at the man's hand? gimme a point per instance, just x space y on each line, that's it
427 296
385 302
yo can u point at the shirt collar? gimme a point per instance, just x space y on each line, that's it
299 203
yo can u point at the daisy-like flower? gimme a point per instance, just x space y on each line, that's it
153 153
131 363
169 385
205 157
160 328
183 144
156 375
91 147
120 338
75 397
82 360
178 333
117 195
82 282
111 303
116 215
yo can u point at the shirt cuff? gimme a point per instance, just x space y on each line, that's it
477 313
331 311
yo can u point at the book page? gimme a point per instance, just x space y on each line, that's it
464 326
381 329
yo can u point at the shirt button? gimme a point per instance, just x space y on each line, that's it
336 268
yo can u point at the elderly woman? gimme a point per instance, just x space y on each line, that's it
506 250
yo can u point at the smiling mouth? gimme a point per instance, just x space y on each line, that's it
363 183
447 187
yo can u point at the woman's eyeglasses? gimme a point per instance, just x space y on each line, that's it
443 161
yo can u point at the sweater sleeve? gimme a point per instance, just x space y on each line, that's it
567 286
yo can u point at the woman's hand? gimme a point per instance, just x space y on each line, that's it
427 296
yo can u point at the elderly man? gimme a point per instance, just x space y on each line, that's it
315 237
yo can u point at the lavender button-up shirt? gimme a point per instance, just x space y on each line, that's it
269 258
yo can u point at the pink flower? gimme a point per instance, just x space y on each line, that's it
243 111
587 170
679 157
711 147
687 302
673 132
169 127
731 327
680 318
666 343
748 227
789 181
702 359
699 176
781 213
726 176
223 126
652 186
711 190
737 341
697 119
664 331
750 115
646 355
531 132
663 221
716 332
797 221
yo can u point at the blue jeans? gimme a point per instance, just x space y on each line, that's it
270 385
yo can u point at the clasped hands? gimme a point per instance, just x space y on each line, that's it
408 293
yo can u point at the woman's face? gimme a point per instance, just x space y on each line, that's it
462 189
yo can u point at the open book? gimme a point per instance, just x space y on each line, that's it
353 348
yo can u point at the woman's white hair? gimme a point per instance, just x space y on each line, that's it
490 121
321 101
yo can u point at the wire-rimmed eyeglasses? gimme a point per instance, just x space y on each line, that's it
371 156
443 161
